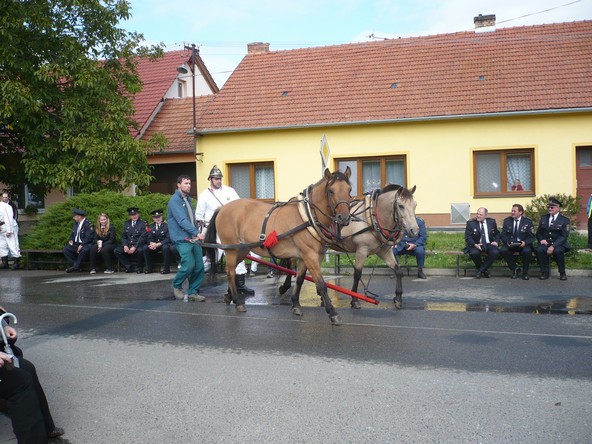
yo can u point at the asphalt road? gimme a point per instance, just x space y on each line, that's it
467 361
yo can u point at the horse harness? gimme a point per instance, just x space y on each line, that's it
386 236
306 208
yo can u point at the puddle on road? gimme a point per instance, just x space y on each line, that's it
572 306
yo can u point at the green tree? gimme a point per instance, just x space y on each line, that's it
67 82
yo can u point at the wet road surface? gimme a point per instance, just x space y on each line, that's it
466 361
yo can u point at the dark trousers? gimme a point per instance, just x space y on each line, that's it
491 253
106 254
166 257
543 258
126 259
27 404
418 252
75 258
507 253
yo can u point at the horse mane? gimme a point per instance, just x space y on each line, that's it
335 175
338 175
405 193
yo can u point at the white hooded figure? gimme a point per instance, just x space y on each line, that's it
8 236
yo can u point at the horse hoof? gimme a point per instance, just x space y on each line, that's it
297 311
241 308
227 299
335 320
398 304
356 304
283 289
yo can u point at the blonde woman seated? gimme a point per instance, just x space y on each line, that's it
104 244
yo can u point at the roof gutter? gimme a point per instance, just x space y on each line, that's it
404 120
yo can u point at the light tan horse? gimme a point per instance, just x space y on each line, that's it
378 222
389 213
293 229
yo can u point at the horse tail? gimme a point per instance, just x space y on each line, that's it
211 238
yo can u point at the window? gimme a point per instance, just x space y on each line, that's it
180 88
26 197
371 173
73 191
504 172
253 180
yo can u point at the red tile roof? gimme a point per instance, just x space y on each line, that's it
513 69
157 77
175 120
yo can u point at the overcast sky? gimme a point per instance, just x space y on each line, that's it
222 29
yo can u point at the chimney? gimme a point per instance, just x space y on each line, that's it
484 21
257 48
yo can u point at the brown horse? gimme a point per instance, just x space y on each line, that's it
294 229
378 222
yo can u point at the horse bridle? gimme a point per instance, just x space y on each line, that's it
389 235
326 233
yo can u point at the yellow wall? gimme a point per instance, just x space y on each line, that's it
439 154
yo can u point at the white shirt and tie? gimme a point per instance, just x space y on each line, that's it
77 239
484 234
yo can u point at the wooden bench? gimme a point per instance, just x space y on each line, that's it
46 257
338 254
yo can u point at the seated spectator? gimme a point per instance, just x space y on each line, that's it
482 237
20 387
133 238
517 236
157 240
81 239
104 244
414 246
552 235
517 185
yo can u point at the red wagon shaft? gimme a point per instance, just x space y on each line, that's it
353 294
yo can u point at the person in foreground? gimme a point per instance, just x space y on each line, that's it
482 237
517 236
31 419
185 235
414 246
552 235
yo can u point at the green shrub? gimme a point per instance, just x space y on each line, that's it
31 209
55 225
538 207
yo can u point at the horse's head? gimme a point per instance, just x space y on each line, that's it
338 189
404 210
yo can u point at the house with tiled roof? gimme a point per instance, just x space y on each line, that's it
462 116
165 106
162 86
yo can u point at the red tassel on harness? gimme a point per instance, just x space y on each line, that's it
271 240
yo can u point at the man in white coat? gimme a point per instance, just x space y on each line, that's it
209 200
8 236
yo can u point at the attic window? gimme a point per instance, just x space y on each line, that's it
285 93
394 85
481 77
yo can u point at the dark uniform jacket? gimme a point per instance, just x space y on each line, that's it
133 236
525 232
87 232
161 235
555 235
109 238
473 232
